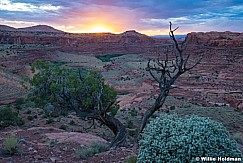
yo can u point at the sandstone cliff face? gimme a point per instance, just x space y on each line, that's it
97 43
68 39
221 71
218 39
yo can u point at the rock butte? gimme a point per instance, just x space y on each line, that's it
217 39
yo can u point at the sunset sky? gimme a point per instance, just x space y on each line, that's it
150 17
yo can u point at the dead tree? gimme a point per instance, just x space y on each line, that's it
166 71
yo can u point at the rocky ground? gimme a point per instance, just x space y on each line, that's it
47 144
61 139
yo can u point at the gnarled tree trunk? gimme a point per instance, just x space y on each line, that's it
111 122
118 129
157 105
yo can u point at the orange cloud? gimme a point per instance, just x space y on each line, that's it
99 19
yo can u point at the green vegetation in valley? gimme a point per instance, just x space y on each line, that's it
60 63
107 58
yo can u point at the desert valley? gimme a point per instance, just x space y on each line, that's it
211 89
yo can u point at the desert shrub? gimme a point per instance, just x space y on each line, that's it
63 127
48 108
95 148
52 143
30 117
114 109
133 113
100 147
131 159
10 144
29 103
40 112
129 124
169 138
132 132
72 122
50 120
9 117
28 111
44 116
51 111
19 103
86 153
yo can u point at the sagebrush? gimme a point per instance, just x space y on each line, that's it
10 144
170 138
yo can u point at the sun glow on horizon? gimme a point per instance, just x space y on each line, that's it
100 29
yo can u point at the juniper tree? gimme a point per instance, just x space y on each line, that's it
86 94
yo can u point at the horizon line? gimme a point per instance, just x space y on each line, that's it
162 34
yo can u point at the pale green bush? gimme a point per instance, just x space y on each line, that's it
95 148
172 139
10 144
131 159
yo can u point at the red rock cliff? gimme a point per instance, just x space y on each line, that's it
127 42
220 39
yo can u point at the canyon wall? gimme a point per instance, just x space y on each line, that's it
217 39
98 43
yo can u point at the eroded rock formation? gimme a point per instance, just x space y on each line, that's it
218 39
99 43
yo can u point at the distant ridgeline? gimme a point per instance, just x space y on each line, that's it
37 28
128 42
167 36
108 43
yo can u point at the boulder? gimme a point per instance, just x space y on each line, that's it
240 107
